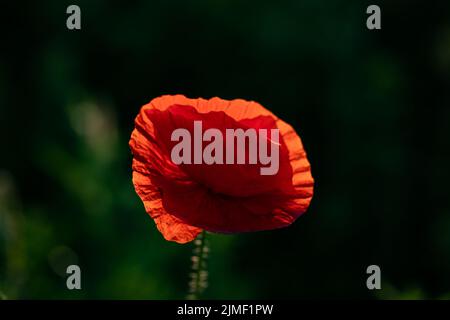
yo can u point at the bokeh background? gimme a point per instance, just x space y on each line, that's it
372 108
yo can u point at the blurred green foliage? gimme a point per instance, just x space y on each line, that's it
372 108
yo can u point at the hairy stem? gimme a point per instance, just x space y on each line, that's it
199 274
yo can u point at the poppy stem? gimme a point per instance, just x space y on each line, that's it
199 275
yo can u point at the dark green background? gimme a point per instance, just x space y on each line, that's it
372 108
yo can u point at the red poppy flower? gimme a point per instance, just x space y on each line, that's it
184 199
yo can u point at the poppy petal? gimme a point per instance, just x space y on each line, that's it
184 199
171 227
